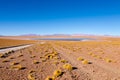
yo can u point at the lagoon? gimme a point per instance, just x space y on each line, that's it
65 39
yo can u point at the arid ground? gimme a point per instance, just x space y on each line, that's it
62 60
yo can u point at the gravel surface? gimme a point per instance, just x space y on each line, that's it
14 48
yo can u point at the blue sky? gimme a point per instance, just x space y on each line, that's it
99 17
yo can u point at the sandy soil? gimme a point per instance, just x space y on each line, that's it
62 60
5 43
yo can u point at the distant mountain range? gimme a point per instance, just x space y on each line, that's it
58 35
64 35
1 35
45 35
29 35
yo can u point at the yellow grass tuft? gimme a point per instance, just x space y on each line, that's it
12 58
50 78
108 60
49 56
85 62
68 67
80 59
31 77
63 61
14 63
31 71
18 67
55 53
2 55
35 62
4 61
43 60
20 55
57 73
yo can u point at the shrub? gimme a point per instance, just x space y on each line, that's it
108 60
5 61
14 63
31 77
85 62
67 66
49 56
63 61
18 67
55 53
31 71
43 60
50 78
80 59
35 62
57 73
20 55
56 57
2 55
12 58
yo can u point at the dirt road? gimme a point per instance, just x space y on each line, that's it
13 48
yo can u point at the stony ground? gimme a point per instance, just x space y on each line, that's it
62 60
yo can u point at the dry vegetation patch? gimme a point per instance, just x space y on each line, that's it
11 42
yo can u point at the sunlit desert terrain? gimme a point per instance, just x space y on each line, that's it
4 43
62 60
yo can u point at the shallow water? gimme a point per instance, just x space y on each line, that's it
65 39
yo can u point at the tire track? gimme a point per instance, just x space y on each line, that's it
96 71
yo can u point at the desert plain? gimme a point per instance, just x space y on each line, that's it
97 59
